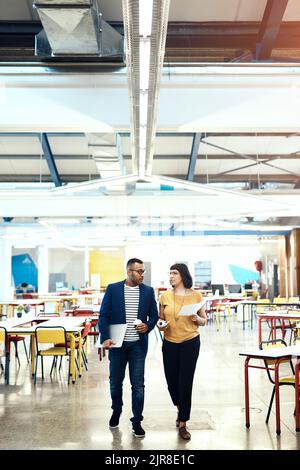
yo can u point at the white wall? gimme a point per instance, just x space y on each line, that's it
69 262
163 255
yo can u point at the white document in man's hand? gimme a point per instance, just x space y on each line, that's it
191 309
116 334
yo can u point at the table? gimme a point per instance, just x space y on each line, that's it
277 354
25 326
255 303
14 303
272 317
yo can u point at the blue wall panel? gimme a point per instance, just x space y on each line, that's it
24 270
242 275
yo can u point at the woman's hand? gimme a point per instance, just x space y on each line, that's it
199 320
162 324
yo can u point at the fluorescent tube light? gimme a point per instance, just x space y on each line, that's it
143 137
145 47
143 108
145 17
142 159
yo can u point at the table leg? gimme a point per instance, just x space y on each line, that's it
32 349
259 330
277 397
297 395
7 360
273 326
72 358
80 356
246 372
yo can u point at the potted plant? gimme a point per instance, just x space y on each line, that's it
20 310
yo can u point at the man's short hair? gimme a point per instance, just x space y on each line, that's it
132 261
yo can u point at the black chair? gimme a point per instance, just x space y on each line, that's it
288 380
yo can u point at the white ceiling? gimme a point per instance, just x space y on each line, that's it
208 99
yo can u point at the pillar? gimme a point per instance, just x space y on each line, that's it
86 267
6 287
43 270
295 261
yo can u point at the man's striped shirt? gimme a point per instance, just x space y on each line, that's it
132 297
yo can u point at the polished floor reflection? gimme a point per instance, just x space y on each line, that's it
53 415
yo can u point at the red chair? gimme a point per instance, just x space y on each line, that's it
84 335
27 296
211 309
94 324
15 339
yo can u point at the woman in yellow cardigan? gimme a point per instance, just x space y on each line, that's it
181 343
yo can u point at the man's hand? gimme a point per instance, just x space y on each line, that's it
108 343
142 328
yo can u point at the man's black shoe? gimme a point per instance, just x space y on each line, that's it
114 420
137 430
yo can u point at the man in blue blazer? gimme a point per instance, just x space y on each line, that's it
132 303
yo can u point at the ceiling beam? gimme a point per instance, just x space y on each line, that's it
269 28
50 159
212 178
186 41
238 178
247 157
193 156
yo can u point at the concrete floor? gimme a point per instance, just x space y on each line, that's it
53 415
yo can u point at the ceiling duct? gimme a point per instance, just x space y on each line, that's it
75 27
106 151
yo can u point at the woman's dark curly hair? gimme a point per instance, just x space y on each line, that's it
184 273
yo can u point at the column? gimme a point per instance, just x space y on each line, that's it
86 267
43 270
295 260
284 256
6 288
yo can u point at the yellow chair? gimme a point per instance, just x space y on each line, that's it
51 335
288 380
286 325
3 340
223 309
280 300
261 308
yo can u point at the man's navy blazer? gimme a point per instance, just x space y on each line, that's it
112 309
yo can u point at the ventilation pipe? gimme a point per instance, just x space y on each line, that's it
75 27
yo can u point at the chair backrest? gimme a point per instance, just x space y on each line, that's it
43 314
273 343
82 312
86 330
261 308
2 335
50 334
293 299
280 300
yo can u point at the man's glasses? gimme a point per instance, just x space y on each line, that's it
140 271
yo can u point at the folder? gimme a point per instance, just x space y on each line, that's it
116 334
191 309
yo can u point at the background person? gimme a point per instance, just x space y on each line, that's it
181 343
125 302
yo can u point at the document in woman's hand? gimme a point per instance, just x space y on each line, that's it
192 309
